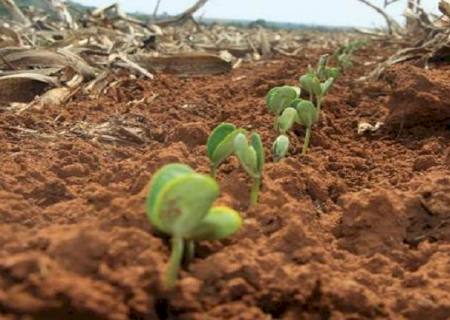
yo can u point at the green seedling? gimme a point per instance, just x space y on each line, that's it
280 147
344 61
311 83
343 56
220 144
307 116
179 204
319 82
251 157
280 98
324 72
286 120
332 73
322 67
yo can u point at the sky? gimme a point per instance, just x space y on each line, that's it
318 12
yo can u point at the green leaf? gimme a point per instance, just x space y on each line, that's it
295 105
221 143
296 102
326 86
270 97
332 73
225 149
311 83
184 202
259 149
280 147
219 223
322 66
287 119
160 179
307 113
217 136
279 98
246 154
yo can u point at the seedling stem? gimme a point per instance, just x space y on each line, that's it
254 193
190 251
174 262
307 138
319 104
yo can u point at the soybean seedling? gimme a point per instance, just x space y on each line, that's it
324 72
287 119
220 144
318 82
251 157
311 83
307 116
343 55
280 147
284 124
280 98
179 204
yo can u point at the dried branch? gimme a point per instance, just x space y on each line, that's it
63 13
389 2
393 27
12 34
130 64
155 12
184 16
115 7
444 7
412 14
15 12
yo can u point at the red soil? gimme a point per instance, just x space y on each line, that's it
357 229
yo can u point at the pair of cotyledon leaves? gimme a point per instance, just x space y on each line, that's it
301 111
311 83
280 98
180 204
324 72
226 139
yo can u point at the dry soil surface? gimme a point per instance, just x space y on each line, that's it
357 229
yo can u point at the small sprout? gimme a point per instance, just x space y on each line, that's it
322 67
280 148
220 144
319 82
326 86
311 83
332 73
345 61
286 120
280 98
251 157
324 72
343 56
179 204
307 116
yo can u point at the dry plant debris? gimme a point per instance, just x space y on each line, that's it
424 38
108 40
